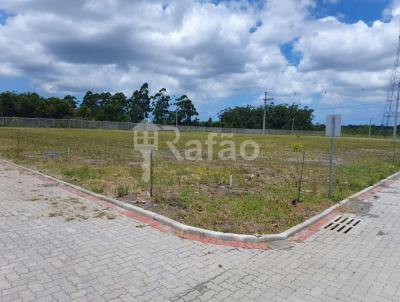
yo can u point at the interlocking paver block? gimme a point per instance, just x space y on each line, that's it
48 257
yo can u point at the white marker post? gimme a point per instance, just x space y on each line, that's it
333 129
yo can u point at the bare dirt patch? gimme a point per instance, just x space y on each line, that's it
74 209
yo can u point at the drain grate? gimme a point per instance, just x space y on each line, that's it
342 224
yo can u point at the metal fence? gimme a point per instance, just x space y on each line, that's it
229 195
107 125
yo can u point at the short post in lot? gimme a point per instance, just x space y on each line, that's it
331 151
18 142
370 129
301 177
293 120
333 128
300 182
68 144
151 173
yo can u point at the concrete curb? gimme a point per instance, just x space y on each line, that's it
180 227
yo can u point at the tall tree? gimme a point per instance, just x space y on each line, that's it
160 104
119 105
112 107
89 107
27 104
139 104
185 109
103 106
9 104
54 108
241 117
278 117
71 100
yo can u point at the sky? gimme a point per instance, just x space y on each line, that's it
334 56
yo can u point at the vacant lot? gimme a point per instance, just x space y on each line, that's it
197 192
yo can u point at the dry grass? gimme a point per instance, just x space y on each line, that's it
197 193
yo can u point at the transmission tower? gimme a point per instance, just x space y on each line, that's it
392 94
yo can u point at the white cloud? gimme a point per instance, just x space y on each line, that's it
195 47
330 44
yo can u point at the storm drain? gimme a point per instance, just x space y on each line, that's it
342 224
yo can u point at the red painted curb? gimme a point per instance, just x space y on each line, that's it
298 237
163 228
314 228
166 229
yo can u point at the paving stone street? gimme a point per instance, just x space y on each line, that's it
57 246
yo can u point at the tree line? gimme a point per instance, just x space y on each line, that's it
160 108
103 106
33 105
280 116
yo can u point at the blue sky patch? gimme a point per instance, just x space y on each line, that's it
4 16
292 56
17 84
352 11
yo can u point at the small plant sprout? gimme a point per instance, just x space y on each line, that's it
299 149
122 191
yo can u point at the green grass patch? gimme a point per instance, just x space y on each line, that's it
198 193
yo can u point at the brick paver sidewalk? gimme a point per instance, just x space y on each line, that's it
55 246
